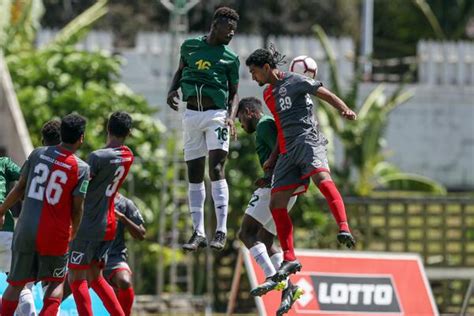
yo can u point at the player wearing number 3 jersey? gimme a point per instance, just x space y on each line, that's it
53 182
88 254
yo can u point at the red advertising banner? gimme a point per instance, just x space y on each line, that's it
352 283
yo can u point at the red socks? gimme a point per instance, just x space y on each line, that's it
284 228
50 306
107 295
125 297
8 307
334 199
80 291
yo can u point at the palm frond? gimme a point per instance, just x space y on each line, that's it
75 30
323 38
431 17
411 182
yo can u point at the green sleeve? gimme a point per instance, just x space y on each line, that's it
234 71
12 170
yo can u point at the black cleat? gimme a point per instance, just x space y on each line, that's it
287 268
218 242
195 242
345 238
267 286
289 296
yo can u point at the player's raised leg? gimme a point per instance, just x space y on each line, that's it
250 230
330 192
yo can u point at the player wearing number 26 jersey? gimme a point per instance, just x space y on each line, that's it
88 254
53 182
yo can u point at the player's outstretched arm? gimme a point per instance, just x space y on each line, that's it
326 95
173 91
137 231
77 212
13 197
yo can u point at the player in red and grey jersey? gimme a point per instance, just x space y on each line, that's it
117 271
53 182
109 168
301 146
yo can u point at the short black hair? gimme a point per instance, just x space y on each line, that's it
73 127
251 103
226 13
262 56
119 124
51 132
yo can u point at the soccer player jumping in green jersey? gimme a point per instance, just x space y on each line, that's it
208 76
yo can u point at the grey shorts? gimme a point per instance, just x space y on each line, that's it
294 168
84 253
31 266
115 264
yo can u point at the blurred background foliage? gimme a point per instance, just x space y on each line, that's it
59 79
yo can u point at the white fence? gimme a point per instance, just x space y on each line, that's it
446 63
154 49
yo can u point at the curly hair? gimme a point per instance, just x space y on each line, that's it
51 132
72 128
262 56
227 13
119 124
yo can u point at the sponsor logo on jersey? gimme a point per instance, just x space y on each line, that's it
76 257
59 272
84 186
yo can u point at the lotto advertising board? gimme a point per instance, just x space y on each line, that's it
352 283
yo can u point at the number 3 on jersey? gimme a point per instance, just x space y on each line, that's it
112 188
53 189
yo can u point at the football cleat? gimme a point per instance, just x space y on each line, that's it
345 238
287 268
289 296
218 242
267 286
195 242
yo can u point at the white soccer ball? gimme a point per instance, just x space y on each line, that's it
304 65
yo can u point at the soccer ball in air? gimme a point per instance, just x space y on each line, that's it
305 66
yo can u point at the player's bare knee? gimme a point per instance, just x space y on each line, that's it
124 282
278 202
321 176
242 235
216 172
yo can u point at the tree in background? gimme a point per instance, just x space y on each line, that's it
400 24
266 17
58 79
364 167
